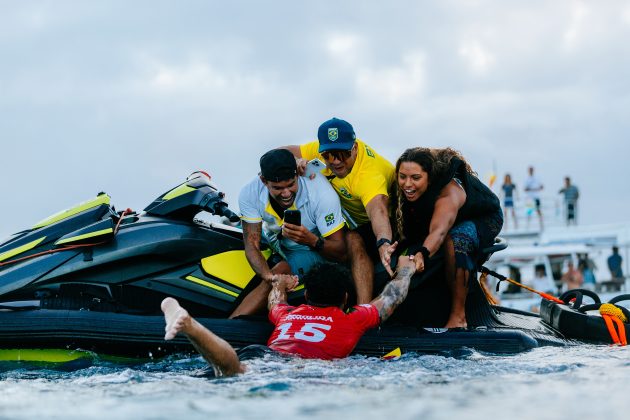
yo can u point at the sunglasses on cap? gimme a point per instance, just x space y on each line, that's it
340 155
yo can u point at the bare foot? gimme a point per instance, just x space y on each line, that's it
177 318
456 322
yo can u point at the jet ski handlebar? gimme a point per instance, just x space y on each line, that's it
221 209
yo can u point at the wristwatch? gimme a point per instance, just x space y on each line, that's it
319 245
382 241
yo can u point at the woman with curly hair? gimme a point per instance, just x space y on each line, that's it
443 205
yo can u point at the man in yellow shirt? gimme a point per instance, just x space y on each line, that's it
363 179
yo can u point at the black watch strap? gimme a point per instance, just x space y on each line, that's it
425 253
382 241
319 245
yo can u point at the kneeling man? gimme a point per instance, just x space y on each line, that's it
318 237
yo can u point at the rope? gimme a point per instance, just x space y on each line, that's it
614 317
482 282
501 278
68 247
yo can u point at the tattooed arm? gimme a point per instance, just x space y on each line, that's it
252 233
396 290
280 284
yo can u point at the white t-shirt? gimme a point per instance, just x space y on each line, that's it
533 187
544 284
317 201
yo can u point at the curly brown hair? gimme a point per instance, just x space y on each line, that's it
435 162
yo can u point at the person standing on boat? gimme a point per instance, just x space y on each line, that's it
541 281
614 264
587 273
509 191
320 235
318 329
573 278
571 195
441 204
533 187
363 180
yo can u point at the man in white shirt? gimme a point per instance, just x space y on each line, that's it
533 187
263 201
542 282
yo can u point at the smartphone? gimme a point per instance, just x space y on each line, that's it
293 217
313 166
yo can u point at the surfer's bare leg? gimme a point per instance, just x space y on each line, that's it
213 348
457 280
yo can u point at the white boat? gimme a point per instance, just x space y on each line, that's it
553 249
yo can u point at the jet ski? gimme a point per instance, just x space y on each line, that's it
91 279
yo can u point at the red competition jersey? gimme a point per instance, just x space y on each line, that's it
320 332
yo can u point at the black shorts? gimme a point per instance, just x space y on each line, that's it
570 211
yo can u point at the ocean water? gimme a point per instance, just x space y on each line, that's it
546 383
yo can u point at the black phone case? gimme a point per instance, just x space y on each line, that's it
293 217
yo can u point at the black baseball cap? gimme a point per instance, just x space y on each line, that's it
335 134
278 165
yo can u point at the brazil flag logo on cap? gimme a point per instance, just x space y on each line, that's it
333 134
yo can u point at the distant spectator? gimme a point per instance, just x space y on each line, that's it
542 282
587 274
571 195
515 274
573 278
533 187
508 200
614 264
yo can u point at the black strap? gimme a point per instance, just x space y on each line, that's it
425 253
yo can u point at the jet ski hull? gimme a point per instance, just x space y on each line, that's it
141 336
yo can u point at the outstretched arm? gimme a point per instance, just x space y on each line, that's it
280 284
377 212
252 233
396 290
451 199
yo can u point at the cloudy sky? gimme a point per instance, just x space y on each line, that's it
130 97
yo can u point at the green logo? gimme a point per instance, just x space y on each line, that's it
369 152
330 219
333 134
345 193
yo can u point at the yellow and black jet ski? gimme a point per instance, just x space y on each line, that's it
92 278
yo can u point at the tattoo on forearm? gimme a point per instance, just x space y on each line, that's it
276 296
395 292
251 237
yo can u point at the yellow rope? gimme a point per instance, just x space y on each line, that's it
611 309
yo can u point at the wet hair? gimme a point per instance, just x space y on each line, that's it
327 284
435 162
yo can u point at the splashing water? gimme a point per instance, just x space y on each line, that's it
546 383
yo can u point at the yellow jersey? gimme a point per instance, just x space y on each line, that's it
370 176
